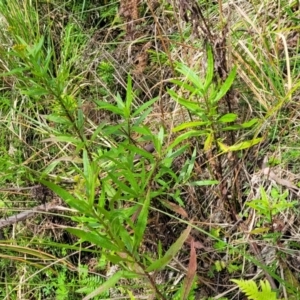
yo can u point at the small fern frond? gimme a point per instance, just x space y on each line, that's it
265 287
250 288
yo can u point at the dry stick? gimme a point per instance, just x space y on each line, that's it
28 213
18 189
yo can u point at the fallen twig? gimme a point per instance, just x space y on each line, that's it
29 213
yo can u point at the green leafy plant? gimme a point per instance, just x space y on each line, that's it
269 207
203 103
117 230
202 99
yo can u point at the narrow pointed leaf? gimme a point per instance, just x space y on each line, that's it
190 105
244 145
76 203
141 223
94 238
170 254
210 68
121 184
191 75
227 118
204 182
189 125
110 107
226 85
144 107
129 94
111 282
187 135
185 86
